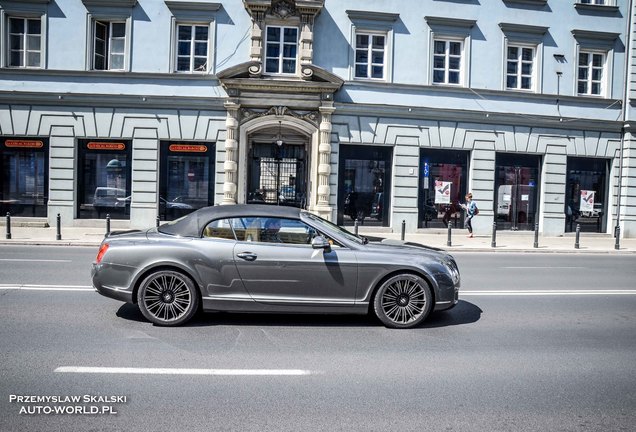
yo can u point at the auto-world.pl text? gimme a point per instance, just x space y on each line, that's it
70 404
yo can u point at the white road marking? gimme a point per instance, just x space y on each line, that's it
176 371
547 292
543 267
45 287
34 260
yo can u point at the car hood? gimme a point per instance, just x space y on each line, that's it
399 246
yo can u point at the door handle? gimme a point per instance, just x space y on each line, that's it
247 256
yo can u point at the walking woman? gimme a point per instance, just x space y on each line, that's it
471 211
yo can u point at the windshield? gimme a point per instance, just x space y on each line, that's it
330 226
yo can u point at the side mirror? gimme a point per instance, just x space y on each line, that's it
319 242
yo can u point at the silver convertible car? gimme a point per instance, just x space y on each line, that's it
260 258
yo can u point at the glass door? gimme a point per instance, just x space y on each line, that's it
586 195
516 191
364 187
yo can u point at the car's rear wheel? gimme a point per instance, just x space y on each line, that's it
167 298
403 301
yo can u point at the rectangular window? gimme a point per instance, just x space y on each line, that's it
281 50
109 45
25 42
192 48
104 179
520 67
590 73
186 178
370 55
447 61
24 176
597 2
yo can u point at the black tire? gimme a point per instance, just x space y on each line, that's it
167 298
403 301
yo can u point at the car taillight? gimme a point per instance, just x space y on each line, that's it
100 254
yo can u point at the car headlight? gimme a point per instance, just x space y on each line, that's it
451 265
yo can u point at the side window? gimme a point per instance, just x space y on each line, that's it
274 230
220 229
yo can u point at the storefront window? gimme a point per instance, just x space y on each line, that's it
104 179
364 185
24 176
516 191
586 195
187 178
442 188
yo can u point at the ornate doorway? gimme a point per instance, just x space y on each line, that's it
277 175
277 166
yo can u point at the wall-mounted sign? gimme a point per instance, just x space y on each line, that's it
587 201
34 144
188 148
93 145
442 192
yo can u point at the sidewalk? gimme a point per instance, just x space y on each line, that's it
506 241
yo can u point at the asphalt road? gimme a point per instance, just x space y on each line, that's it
538 342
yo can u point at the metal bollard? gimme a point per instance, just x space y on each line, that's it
617 245
8 226
578 235
493 243
58 236
403 230
157 221
107 224
355 227
536 235
449 242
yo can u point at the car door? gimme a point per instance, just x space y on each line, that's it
285 269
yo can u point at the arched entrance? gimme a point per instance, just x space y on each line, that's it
277 161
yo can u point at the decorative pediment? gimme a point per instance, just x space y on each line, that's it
315 86
309 72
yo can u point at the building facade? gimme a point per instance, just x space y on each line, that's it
379 110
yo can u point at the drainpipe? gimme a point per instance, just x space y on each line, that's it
628 37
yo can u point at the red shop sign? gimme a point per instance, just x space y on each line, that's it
24 144
105 146
188 148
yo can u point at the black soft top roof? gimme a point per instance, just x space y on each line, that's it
192 224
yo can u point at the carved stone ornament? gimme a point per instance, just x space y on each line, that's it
284 9
256 70
279 111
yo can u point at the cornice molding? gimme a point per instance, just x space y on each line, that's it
528 2
600 9
595 35
384 17
93 100
192 5
449 22
109 3
3 2
523 28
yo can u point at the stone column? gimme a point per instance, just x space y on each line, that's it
324 161
230 166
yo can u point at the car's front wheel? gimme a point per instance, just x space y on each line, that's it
167 298
403 301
